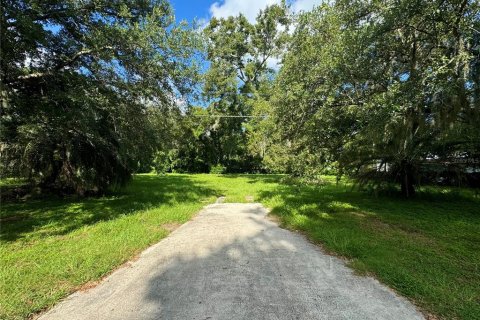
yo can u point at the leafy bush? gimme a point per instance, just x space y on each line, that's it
217 169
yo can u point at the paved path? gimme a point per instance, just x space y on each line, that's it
231 262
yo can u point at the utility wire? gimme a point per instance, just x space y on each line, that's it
226 116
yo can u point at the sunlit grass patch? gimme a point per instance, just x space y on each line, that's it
338 206
11 182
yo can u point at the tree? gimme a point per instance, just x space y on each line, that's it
188 149
381 88
80 83
239 75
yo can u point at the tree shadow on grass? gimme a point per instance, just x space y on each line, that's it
58 216
445 205
351 222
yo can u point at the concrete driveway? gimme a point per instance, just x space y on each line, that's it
231 262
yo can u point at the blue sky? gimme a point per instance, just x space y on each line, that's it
188 9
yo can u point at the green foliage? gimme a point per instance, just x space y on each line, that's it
237 82
187 148
82 84
217 169
382 89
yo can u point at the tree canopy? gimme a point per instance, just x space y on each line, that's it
381 91
82 84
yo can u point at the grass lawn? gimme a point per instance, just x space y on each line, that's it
428 249
51 247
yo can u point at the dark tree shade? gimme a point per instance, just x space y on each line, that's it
80 81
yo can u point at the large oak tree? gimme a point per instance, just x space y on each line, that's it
383 89
82 85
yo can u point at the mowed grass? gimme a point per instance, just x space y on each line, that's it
51 247
428 248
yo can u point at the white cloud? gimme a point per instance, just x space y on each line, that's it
304 5
251 8
274 63
202 23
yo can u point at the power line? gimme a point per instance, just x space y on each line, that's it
226 116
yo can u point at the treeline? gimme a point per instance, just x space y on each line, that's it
380 91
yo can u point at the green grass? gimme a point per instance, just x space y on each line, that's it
50 247
11 182
428 248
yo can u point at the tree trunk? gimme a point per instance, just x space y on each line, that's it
407 180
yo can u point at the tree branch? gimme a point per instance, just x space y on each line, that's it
62 65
